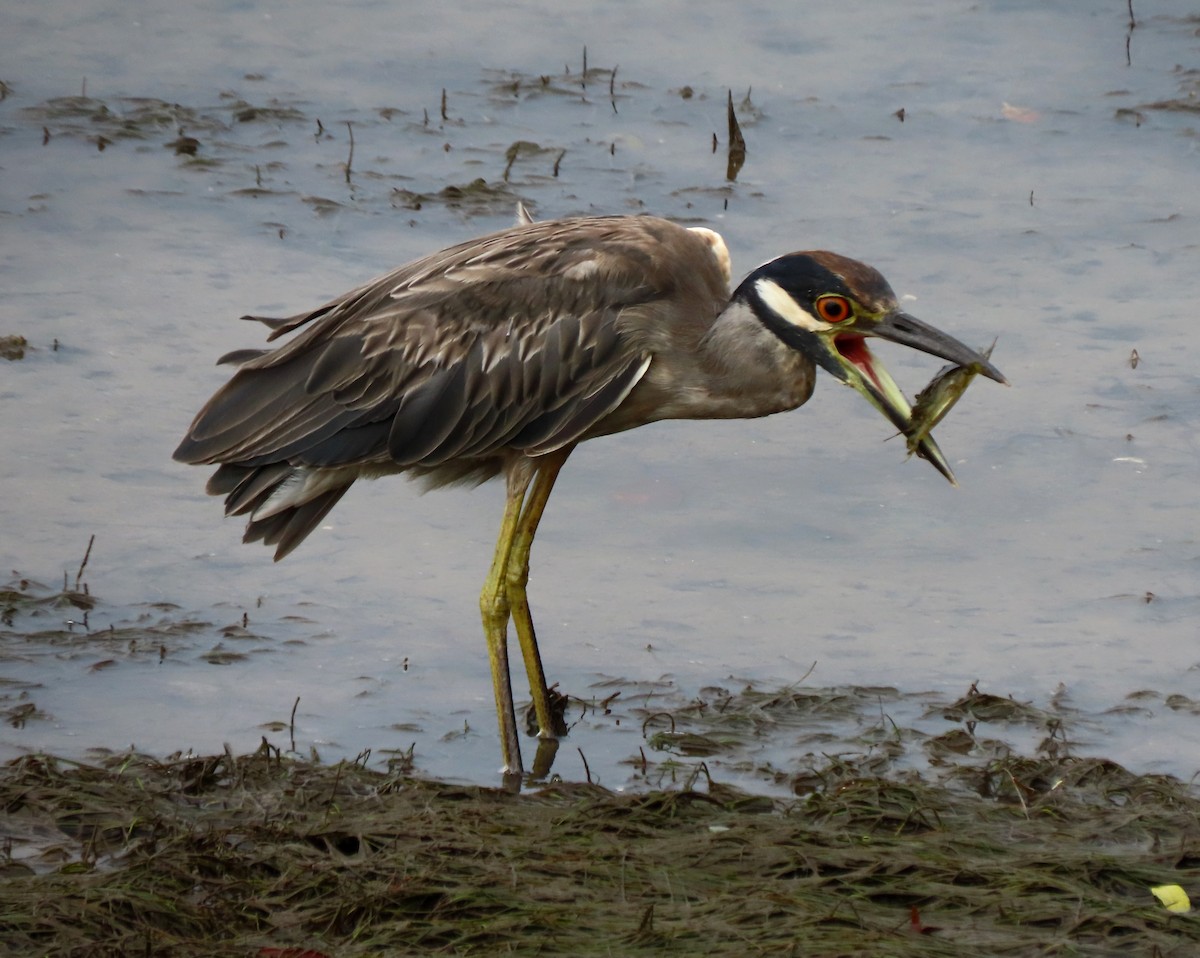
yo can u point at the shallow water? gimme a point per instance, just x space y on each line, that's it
1031 192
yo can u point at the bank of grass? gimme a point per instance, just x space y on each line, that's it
264 855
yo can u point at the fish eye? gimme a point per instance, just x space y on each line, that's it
834 309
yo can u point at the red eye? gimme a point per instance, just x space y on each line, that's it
834 309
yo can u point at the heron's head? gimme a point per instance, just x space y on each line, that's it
826 306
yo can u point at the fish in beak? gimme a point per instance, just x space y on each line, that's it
849 358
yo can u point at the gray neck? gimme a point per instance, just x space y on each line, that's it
739 370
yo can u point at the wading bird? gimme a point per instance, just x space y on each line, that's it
498 356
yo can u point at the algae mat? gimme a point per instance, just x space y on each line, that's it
266 856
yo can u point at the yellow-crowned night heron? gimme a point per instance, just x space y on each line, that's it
501 354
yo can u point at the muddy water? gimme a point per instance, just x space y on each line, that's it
1041 187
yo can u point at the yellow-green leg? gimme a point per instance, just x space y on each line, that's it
517 578
494 608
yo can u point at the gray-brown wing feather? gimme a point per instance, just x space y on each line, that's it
512 341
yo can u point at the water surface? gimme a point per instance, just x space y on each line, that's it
1033 191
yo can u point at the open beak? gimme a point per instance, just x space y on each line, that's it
847 356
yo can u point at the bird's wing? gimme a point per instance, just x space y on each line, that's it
518 340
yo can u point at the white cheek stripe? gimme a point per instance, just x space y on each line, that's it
782 304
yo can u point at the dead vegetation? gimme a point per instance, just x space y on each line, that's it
262 855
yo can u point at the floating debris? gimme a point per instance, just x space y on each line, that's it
184 145
13 347
522 149
274 112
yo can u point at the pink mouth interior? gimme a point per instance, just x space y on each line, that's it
854 349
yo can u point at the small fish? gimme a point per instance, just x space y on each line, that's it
938 398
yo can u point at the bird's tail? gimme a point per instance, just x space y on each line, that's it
285 503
